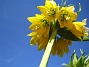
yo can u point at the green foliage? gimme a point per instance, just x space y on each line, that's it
82 61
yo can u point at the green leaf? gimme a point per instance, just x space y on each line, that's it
85 38
75 58
71 62
79 10
65 65
80 62
64 32
86 62
63 3
83 61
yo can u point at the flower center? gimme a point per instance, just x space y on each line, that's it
64 15
51 12
45 22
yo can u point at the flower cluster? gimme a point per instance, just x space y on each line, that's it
63 18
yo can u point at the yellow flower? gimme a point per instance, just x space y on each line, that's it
55 20
42 42
79 29
65 16
50 9
40 24
39 39
61 46
34 39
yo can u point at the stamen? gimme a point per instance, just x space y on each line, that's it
67 18
51 12
37 28
38 35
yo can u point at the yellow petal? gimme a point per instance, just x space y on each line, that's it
32 34
33 19
42 9
50 4
61 24
78 28
62 46
68 24
41 30
70 9
33 40
42 42
73 15
54 48
34 26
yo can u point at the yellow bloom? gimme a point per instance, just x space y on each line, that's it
61 46
40 35
34 39
42 42
79 29
50 9
65 16
39 39
40 24
55 20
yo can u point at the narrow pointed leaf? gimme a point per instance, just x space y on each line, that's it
75 58
65 65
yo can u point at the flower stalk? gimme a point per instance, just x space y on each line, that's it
47 52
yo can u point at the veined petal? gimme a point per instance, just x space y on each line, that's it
65 16
47 31
63 44
50 4
50 10
34 26
69 42
33 40
33 19
32 34
81 24
70 8
42 9
41 30
54 48
42 43
60 46
73 15
61 24
78 28
68 24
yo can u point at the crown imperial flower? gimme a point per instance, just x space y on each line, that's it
79 29
58 23
65 16
50 9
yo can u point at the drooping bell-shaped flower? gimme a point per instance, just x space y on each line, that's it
50 9
79 29
66 16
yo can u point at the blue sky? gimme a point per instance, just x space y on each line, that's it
15 49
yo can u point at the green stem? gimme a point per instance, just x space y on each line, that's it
47 52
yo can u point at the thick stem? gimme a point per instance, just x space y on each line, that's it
47 52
